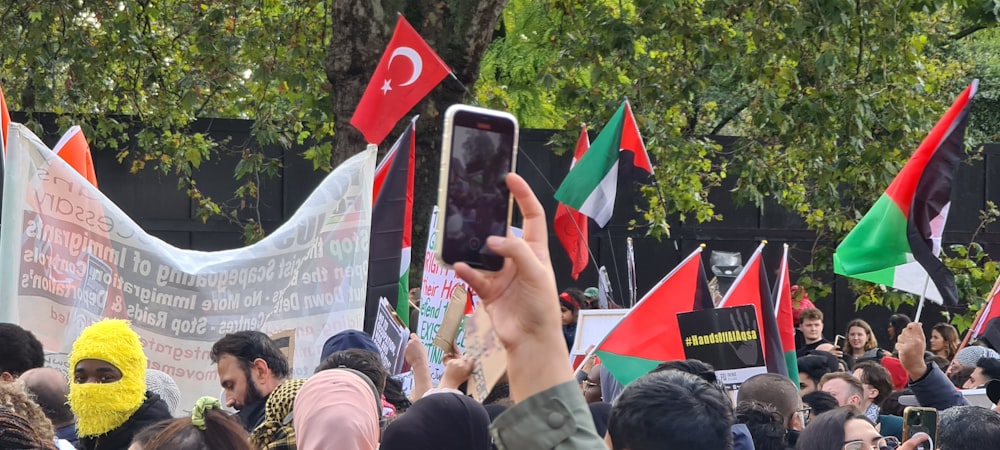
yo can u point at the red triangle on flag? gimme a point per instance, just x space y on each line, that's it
4 121
73 149
649 331
751 288
571 225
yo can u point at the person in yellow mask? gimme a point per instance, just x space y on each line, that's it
107 390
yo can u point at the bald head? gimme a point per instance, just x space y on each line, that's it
49 387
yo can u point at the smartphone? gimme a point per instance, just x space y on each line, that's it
478 150
920 419
839 342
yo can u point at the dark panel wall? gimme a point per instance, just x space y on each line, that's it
156 204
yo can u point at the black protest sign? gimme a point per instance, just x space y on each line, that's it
390 337
726 338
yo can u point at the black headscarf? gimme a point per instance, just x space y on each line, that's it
442 421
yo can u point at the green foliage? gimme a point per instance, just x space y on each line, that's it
982 50
163 65
829 98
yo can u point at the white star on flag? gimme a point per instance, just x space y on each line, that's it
386 87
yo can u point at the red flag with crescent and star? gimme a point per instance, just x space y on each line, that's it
408 70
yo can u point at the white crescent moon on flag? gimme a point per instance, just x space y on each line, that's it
414 57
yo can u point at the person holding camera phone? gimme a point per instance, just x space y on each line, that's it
523 304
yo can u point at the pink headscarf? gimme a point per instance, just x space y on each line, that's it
336 408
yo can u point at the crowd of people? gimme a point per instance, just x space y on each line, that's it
848 396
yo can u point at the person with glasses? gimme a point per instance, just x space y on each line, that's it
846 429
592 385
818 403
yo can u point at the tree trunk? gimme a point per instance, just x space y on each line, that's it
458 32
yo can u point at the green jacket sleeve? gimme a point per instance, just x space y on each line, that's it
556 418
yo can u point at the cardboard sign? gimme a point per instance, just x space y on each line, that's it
453 315
726 338
482 345
390 337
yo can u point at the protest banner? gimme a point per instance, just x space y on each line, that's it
69 256
726 338
435 292
489 354
390 336
592 326
285 340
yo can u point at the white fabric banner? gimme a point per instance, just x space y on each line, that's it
69 256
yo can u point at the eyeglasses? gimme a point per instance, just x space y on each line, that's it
804 414
886 443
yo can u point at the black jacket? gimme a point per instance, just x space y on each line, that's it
153 410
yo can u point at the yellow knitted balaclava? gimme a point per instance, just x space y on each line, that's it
102 407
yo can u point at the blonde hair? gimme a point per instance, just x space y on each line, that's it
17 399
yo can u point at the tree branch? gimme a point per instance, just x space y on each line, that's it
729 118
966 32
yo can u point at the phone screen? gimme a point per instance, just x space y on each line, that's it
477 204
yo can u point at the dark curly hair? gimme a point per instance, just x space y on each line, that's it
22 350
765 423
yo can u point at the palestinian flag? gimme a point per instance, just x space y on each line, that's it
391 230
648 334
591 186
898 242
751 288
73 149
783 315
987 313
569 224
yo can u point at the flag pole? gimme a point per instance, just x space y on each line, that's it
782 269
920 304
590 252
725 298
630 264
968 334
975 322
614 260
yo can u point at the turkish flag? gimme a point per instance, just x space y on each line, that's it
571 225
409 69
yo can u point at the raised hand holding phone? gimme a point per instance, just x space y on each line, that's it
479 149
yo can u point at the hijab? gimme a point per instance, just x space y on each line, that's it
336 408
442 421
